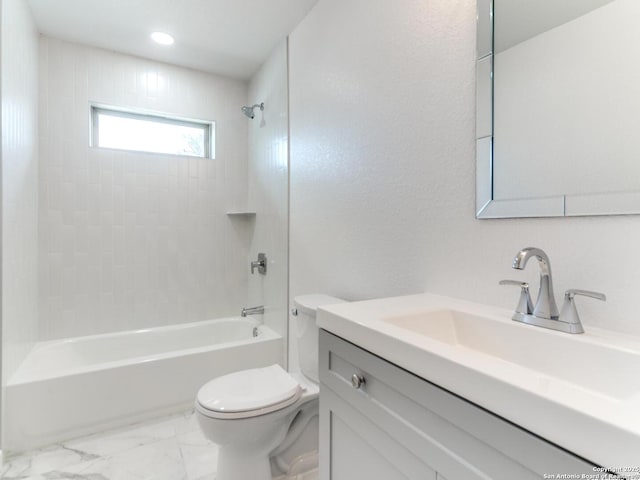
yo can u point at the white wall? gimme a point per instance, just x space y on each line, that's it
268 187
382 115
551 80
19 184
132 240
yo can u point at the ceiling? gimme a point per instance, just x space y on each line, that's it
520 20
227 37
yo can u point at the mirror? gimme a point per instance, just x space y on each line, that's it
557 108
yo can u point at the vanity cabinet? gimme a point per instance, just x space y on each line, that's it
389 424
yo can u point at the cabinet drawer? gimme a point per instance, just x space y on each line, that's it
456 438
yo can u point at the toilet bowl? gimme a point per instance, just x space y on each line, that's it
256 415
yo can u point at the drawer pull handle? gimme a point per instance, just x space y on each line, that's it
357 380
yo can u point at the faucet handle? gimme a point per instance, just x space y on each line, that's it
525 305
260 264
569 312
570 294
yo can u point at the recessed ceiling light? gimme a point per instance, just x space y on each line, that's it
162 38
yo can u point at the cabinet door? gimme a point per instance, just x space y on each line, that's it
425 423
358 449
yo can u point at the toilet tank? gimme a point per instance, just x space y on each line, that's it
307 306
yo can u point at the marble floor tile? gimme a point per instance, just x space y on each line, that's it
156 461
128 453
44 460
185 423
200 456
121 439
169 448
18 467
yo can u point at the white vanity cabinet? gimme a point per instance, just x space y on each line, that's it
396 425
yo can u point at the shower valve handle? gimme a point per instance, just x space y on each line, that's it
260 264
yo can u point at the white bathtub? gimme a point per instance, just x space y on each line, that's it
71 387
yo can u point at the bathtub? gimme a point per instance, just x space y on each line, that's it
72 387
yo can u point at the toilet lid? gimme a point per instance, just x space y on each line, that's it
249 390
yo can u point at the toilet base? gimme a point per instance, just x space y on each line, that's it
249 446
249 459
299 451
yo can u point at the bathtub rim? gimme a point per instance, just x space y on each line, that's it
265 333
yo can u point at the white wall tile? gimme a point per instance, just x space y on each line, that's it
133 240
19 184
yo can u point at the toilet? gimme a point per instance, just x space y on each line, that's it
259 416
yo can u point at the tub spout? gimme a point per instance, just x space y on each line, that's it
252 311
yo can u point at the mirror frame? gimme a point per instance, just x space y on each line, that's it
616 203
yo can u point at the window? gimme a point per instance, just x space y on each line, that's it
140 132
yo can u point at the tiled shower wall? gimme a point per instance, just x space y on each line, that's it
19 184
269 186
133 240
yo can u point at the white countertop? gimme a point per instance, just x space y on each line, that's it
600 425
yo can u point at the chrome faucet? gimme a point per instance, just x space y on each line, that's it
252 310
546 303
545 313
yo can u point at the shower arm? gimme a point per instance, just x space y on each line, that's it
248 111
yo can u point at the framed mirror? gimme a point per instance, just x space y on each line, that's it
558 108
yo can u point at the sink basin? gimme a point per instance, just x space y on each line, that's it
604 369
581 392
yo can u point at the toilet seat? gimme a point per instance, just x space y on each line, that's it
248 393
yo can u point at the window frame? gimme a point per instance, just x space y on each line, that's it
208 126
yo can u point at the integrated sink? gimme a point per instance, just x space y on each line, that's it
603 369
581 392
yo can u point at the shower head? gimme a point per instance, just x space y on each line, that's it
248 111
